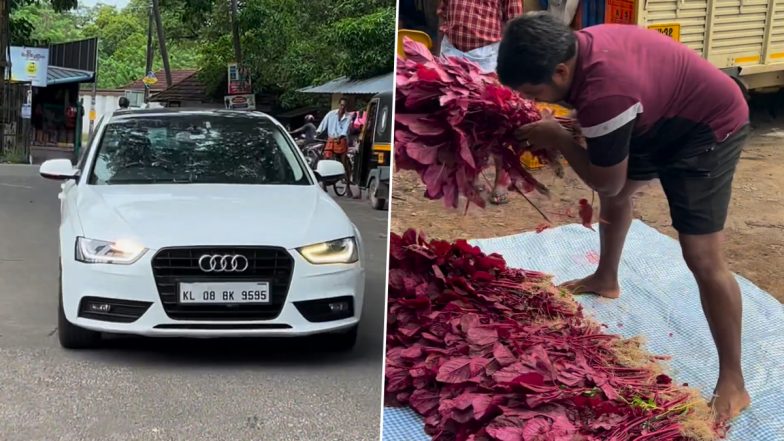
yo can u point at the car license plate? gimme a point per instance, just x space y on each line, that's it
225 292
672 30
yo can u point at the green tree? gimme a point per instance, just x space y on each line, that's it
36 23
122 48
290 44
287 44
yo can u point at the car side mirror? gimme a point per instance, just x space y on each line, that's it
58 169
328 169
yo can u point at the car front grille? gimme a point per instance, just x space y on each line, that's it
172 266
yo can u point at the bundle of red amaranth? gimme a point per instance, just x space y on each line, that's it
450 118
486 352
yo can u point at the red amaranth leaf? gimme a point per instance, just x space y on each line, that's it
487 352
542 226
416 52
421 124
586 213
449 102
424 401
482 335
503 355
461 370
424 154
505 428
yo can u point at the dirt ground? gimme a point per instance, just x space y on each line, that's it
754 229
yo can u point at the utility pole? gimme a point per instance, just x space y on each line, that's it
235 32
4 43
162 41
148 66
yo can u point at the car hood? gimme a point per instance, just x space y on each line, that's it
210 214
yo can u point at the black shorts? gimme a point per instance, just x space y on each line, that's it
697 183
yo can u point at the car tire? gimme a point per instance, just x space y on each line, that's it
70 335
340 187
343 341
376 203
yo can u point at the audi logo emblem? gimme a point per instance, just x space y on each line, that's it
223 263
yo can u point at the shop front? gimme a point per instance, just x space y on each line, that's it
50 112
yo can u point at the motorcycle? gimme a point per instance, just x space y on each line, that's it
312 151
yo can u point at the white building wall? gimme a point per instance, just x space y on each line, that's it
106 102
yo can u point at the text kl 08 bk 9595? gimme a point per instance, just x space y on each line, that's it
237 292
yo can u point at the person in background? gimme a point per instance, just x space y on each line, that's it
336 124
472 29
649 107
308 131
124 103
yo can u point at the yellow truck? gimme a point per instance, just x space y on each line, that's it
744 38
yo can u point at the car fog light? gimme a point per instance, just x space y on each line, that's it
338 307
99 307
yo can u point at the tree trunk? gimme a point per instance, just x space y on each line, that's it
235 31
162 41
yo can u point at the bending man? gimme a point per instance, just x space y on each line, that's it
649 107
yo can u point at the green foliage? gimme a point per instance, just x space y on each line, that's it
122 36
368 43
291 44
287 44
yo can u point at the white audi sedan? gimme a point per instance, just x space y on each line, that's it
202 224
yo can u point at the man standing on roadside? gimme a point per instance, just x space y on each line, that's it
472 29
649 107
337 123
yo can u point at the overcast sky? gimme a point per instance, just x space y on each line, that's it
118 3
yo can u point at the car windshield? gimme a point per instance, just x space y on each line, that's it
198 149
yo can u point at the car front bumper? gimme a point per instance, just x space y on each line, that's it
137 283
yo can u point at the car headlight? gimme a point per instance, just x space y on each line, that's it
121 252
335 251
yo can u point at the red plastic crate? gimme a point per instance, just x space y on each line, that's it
619 11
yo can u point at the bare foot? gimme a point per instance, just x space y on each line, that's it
596 285
729 400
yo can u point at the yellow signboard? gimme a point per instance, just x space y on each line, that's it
672 30
31 68
150 79
29 64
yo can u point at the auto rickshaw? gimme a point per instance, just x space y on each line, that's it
375 150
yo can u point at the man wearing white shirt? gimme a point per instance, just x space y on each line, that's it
337 123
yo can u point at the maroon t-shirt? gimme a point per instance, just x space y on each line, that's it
638 91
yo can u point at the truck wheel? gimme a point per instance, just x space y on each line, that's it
376 203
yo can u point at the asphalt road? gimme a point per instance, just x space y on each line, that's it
169 389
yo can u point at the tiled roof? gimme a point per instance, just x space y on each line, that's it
177 76
187 89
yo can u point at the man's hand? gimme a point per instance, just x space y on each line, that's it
547 133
